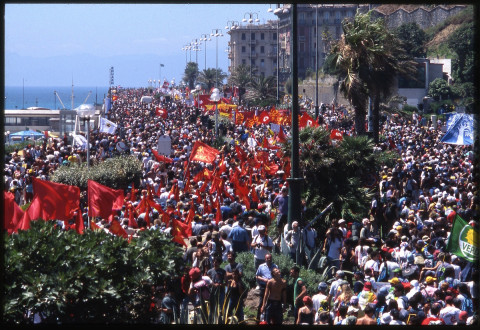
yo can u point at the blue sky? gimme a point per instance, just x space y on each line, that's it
49 44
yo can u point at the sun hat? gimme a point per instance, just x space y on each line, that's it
430 279
261 227
352 309
394 281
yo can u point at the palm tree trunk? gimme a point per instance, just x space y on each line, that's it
376 118
360 120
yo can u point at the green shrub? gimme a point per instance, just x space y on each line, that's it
116 173
410 108
89 278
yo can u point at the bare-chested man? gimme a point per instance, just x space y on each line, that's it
275 295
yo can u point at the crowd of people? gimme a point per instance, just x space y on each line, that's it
402 271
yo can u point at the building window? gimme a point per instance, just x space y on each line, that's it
262 36
301 38
253 49
262 49
262 63
244 49
301 46
326 15
253 62
243 36
252 36
10 120
275 36
244 61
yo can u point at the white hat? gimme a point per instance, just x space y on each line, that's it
341 221
261 227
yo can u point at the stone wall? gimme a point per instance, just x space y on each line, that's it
326 91
424 17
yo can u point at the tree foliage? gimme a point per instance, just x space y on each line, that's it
91 278
413 39
339 174
241 78
462 43
190 75
208 77
116 173
261 89
439 89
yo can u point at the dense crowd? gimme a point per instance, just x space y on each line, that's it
402 272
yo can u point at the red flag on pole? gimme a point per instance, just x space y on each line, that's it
12 213
336 135
161 158
56 201
203 153
79 225
116 229
102 200
218 215
24 224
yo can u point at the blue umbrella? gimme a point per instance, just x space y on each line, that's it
30 133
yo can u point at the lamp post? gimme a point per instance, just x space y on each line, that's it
185 48
270 10
195 44
205 38
215 97
250 21
218 33
316 63
160 74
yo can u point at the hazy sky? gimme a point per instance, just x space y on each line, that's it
49 44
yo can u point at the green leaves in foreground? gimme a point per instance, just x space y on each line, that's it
90 278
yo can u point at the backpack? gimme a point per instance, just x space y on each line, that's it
383 276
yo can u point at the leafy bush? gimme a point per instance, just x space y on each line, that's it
90 278
409 108
116 173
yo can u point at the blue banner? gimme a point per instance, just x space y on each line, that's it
108 105
459 129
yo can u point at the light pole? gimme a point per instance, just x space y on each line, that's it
250 21
205 38
270 10
215 97
218 33
185 48
160 74
316 63
195 44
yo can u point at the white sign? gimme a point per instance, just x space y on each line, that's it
164 145
146 99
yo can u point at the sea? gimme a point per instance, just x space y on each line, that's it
19 97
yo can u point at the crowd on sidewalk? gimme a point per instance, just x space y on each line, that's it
402 271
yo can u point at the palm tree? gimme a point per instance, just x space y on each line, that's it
368 57
208 77
261 88
241 78
190 75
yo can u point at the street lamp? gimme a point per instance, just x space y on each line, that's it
195 44
160 74
215 97
270 10
205 38
186 48
86 112
218 33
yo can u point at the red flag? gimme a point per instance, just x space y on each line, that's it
132 223
264 117
218 215
306 120
161 113
94 226
133 194
57 201
203 153
102 200
161 158
281 138
242 155
336 135
79 225
12 213
117 229
24 224
178 232
147 216
254 195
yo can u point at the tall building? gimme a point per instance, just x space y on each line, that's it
254 45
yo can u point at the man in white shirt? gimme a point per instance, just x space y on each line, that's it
319 297
262 245
372 263
449 313
391 265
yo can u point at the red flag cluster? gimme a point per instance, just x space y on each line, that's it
203 153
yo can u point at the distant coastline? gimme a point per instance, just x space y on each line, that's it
18 97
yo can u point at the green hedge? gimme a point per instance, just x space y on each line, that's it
116 173
89 278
